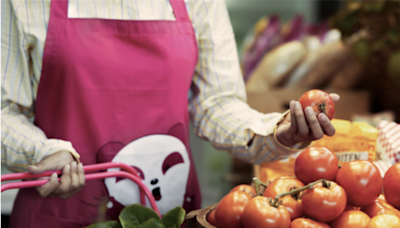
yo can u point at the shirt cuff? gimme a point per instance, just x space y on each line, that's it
53 146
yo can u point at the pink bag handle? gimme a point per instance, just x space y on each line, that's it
129 172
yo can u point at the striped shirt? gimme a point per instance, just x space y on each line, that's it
217 105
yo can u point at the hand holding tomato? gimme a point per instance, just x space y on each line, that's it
307 125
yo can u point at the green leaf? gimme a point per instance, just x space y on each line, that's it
108 224
136 214
151 223
174 218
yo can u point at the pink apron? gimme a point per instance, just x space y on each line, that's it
118 90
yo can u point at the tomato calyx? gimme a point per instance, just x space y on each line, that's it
326 184
322 107
295 195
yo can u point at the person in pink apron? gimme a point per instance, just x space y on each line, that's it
117 90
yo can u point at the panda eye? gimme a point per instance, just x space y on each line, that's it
172 159
138 170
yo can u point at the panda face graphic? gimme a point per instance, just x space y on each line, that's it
163 164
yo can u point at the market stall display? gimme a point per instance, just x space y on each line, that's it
353 198
339 181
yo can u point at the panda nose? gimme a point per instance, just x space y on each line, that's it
154 181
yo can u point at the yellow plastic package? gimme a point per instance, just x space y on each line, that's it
352 141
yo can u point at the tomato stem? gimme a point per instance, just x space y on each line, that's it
294 191
257 184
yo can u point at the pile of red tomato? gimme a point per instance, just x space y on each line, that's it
319 195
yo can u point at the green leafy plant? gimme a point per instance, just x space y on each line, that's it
374 25
139 216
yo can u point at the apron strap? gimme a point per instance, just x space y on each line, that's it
179 8
58 14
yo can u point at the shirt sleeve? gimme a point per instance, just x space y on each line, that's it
217 102
22 143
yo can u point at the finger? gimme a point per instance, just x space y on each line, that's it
54 161
300 119
65 181
36 169
74 178
293 122
335 97
49 187
81 175
327 126
313 122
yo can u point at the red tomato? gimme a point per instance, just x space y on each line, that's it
351 208
320 101
245 188
211 218
259 213
350 219
324 203
292 203
362 182
391 185
380 207
384 221
307 223
228 213
315 163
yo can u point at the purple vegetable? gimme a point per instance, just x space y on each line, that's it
268 39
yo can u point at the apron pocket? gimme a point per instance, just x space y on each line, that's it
41 221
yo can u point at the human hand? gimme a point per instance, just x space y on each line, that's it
299 127
72 179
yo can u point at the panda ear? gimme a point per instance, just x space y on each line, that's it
179 131
108 151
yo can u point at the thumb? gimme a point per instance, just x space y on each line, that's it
335 97
43 166
37 169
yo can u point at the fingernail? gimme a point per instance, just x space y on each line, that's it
309 110
297 105
322 117
67 167
80 165
74 164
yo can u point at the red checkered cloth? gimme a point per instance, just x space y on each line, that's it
388 142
